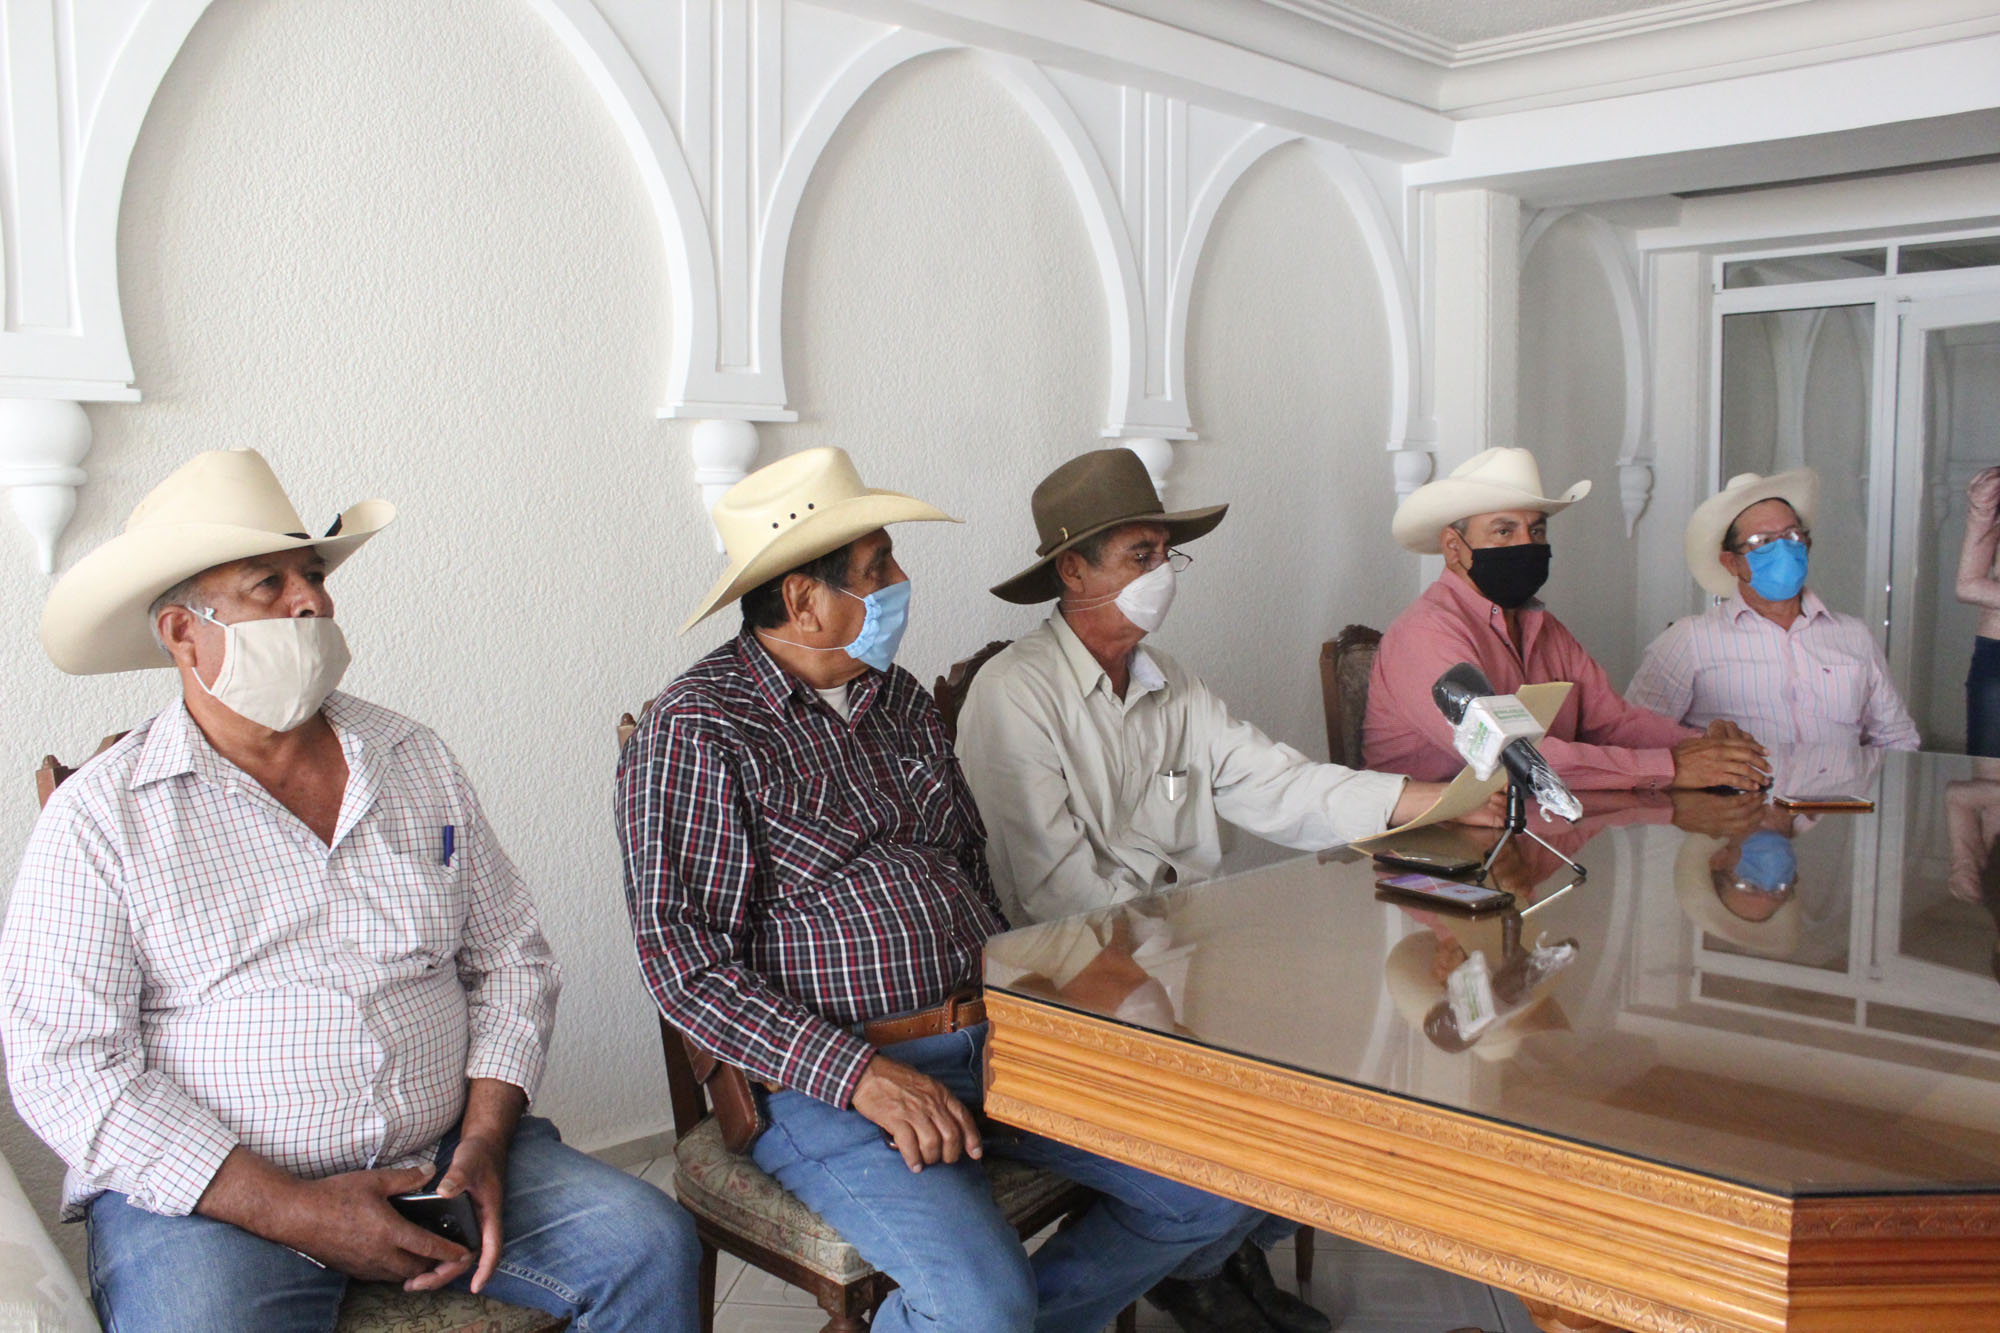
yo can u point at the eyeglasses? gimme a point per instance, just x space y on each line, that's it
1179 559
1756 541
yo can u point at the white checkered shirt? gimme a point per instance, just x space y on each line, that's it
186 967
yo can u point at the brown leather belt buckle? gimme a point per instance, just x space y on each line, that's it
964 1011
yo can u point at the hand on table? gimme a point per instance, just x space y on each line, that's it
1725 757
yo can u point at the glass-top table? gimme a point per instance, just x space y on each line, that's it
1747 1040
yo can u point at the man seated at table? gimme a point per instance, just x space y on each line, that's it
1104 768
266 966
1771 655
807 880
1489 519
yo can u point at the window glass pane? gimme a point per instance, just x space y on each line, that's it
1937 256
1806 268
1961 403
1795 393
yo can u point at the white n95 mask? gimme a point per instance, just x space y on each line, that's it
1145 600
278 672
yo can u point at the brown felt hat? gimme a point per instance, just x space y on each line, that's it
1101 489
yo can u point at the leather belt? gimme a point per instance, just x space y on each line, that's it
959 1012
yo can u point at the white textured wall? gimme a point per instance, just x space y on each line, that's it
1572 412
400 249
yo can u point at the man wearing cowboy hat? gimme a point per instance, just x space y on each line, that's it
265 965
1770 654
807 880
1489 520
1104 769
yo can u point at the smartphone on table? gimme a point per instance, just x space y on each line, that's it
1448 893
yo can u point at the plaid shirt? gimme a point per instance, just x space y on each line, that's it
791 874
186 967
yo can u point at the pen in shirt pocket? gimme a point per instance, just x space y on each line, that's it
450 845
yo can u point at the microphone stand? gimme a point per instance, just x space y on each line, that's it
1517 822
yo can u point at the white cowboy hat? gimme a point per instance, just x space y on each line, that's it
1709 524
794 510
1485 483
217 507
1777 936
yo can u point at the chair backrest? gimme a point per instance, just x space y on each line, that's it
1344 664
53 772
952 685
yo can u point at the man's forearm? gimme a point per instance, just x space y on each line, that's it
254 1193
493 1109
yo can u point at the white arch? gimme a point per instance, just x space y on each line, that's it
1118 270
1378 234
1628 303
663 170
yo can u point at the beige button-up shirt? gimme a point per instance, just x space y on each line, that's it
1090 799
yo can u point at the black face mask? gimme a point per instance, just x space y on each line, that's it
1510 575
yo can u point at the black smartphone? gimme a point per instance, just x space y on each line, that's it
1444 864
452 1217
1447 893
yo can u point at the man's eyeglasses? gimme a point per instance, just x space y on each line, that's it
1758 540
1179 559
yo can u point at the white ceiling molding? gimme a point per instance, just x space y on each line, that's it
1617 261
1137 51
1623 135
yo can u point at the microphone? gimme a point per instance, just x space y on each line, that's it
1457 692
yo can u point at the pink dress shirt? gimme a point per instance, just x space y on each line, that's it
1597 741
1821 680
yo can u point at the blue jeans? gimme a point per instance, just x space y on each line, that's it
937 1232
1982 699
583 1239
1206 1262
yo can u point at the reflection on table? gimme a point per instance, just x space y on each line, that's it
1802 1004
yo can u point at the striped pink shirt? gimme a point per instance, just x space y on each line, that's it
1821 680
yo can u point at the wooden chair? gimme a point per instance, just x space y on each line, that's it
1344 664
377 1307
951 687
739 1209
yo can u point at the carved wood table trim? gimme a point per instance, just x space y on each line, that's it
1588 1238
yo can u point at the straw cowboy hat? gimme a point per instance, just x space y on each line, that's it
794 510
217 507
1709 524
1777 936
1485 483
1085 496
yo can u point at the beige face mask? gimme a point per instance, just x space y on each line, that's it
278 672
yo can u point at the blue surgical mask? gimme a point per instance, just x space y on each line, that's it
1778 570
1767 860
882 632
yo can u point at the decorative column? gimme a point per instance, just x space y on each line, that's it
1475 298
42 446
1412 468
724 452
1158 456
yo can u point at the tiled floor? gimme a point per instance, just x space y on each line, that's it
1364 1289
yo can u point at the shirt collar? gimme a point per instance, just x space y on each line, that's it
175 745
782 690
1461 596
1811 608
1088 671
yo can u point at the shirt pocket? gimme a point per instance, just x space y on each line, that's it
407 909
809 831
1837 690
1165 813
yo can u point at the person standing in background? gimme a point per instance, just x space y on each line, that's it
1977 586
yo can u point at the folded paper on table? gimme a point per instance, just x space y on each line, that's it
1466 792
